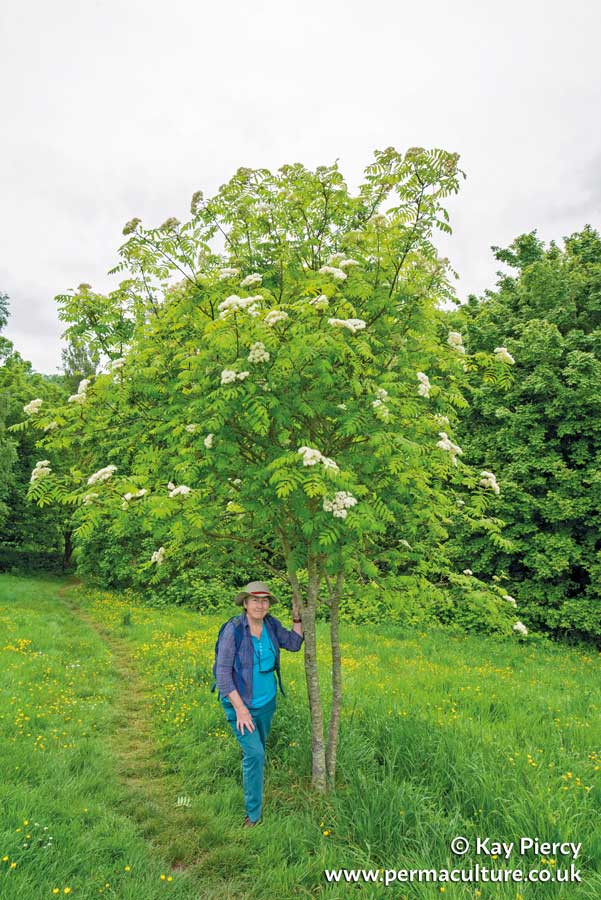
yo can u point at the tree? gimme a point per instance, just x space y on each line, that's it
543 437
295 416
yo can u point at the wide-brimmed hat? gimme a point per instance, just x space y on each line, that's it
254 588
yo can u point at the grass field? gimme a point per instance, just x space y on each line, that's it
106 718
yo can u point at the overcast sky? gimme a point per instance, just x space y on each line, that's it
115 109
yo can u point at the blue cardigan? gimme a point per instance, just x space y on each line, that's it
234 670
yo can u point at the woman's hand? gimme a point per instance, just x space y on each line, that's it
244 719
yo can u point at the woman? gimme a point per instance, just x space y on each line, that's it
248 660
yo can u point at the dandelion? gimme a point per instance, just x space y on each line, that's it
340 505
228 273
208 441
319 302
127 869
445 443
33 407
274 316
504 355
353 325
488 480
251 280
158 556
424 384
455 341
258 353
520 628
192 428
510 599
182 490
337 274
102 474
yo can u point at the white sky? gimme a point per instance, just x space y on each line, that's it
115 109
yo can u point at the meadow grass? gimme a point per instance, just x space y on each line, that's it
107 717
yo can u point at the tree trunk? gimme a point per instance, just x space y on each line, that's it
334 725
68 549
312 677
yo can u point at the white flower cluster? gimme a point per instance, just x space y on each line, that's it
251 280
274 316
379 220
520 628
158 556
467 572
192 428
379 404
353 325
456 341
346 263
311 457
228 273
89 498
42 468
174 491
80 396
258 353
33 407
424 385
445 443
336 273
102 475
129 496
228 376
117 363
504 355
510 599
234 303
51 426
441 420
340 505
488 480
320 302
208 441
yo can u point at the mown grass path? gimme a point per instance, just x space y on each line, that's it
151 791
106 718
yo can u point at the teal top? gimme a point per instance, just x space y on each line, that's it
264 683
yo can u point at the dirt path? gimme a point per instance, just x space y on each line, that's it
150 792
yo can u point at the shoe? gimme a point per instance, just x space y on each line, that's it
248 823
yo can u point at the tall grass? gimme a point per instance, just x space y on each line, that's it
442 735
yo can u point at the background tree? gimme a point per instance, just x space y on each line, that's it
543 435
304 417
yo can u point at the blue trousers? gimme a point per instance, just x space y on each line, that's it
253 755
